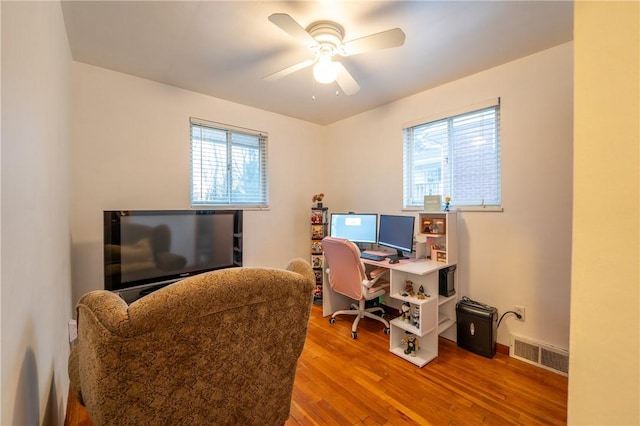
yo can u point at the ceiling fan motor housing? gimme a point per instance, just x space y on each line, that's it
328 34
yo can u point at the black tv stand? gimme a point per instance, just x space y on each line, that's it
149 290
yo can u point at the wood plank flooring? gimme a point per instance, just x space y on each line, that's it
341 381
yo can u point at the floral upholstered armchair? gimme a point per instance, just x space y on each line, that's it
217 348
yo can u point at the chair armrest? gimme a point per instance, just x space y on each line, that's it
375 275
303 268
109 309
378 271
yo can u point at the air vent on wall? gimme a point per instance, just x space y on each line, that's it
542 355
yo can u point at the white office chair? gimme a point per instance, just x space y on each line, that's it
347 276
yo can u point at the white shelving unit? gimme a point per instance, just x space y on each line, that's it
447 316
446 232
435 313
426 328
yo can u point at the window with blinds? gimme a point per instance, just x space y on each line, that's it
457 156
228 166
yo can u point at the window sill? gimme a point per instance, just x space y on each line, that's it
493 209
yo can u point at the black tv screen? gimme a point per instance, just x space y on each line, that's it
146 248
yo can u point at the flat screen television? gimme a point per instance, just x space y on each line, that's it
396 232
360 228
148 249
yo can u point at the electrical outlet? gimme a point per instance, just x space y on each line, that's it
520 310
73 330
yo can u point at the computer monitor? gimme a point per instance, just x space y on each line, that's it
397 232
359 228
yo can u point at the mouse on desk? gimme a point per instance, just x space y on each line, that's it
392 261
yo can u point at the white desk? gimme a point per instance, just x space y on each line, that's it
437 313
332 301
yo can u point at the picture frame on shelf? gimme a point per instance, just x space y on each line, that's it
432 203
316 247
319 216
317 232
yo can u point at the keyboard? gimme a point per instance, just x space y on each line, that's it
370 256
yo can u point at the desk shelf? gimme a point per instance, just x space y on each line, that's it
446 235
399 323
436 313
444 323
424 357
428 343
447 316
426 310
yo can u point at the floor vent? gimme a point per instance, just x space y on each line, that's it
540 354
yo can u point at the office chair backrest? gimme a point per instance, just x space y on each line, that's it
346 271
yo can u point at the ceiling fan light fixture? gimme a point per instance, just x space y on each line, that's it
325 40
325 71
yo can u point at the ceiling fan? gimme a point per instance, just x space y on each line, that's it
324 39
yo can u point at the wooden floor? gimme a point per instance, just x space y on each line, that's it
341 381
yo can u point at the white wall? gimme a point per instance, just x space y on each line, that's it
36 278
604 382
131 151
521 256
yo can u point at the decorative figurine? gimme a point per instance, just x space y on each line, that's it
413 344
421 293
447 200
408 288
416 318
405 311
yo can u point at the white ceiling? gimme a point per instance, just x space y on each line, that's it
224 48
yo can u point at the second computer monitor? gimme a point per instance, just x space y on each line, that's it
397 232
360 228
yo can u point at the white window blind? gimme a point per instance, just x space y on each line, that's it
457 156
228 166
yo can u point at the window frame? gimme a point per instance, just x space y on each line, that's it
233 140
448 159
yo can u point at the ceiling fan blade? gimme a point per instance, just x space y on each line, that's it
377 41
290 26
289 70
346 81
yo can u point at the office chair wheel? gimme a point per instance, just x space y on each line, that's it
354 334
332 320
387 330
